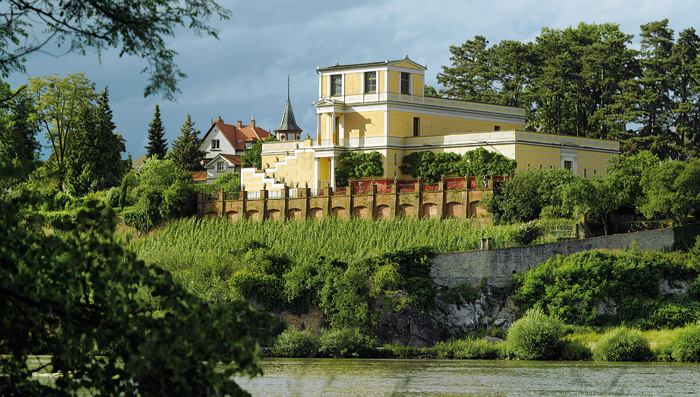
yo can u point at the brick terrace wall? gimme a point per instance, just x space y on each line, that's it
418 200
497 266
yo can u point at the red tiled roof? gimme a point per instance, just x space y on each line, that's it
232 158
199 176
245 134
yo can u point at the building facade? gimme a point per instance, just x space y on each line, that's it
381 107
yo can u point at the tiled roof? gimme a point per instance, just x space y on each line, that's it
233 134
233 159
199 176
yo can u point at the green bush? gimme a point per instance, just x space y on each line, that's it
622 344
526 233
474 349
461 294
346 342
685 346
575 350
266 289
293 343
536 336
112 197
139 219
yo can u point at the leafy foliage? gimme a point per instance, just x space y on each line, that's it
481 162
428 166
18 143
522 198
73 294
535 336
622 344
572 287
357 165
136 29
253 156
293 343
671 189
685 346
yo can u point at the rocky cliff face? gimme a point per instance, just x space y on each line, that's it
412 327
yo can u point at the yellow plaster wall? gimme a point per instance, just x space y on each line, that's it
417 85
353 83
393 81
325 80
591 163
401 125
297 170
406 65
381 78
364 124
537 157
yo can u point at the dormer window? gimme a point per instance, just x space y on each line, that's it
248 145
370 82
220 166
405 83
214 144
336 84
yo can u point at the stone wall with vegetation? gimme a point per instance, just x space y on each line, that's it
498 266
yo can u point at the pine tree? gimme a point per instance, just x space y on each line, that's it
157 145
186 151
95 154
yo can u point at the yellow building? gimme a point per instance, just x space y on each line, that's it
380 106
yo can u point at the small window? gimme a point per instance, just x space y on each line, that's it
214 144
405 83
496 127
370 82
585 173
568 164
594 172
394 158
220 166
336 84
416 126
248 145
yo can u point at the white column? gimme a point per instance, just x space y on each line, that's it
318 125
333 172
316 172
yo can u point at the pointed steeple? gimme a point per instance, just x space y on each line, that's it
288 125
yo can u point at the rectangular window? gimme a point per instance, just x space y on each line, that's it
568 164
214 144
496 127
370 82
405 83
394 159
248 145
585 172
336 84
416 126
220 166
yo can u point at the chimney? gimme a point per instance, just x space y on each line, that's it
252 123
239 124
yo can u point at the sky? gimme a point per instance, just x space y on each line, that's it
243 74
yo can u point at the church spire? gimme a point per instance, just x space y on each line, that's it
288 128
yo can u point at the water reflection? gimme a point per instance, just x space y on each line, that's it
331 377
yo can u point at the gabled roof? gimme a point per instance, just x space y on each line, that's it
244 133
230 158
370 64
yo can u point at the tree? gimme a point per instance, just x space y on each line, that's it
598 197
357 165
58 103
671 189
94 162
18 143
136 28
186 151
471 76
428 166
523 198
112 324
157 145
629 169
253 156
686 74
480 162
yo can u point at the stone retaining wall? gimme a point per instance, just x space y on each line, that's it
498 266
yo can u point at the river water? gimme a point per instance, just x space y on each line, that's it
364 377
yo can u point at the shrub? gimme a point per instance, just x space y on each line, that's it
264 288
112 197
138 219
526 233
575 350
685 346
346 342
536 336
293 343
474 349
622 344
